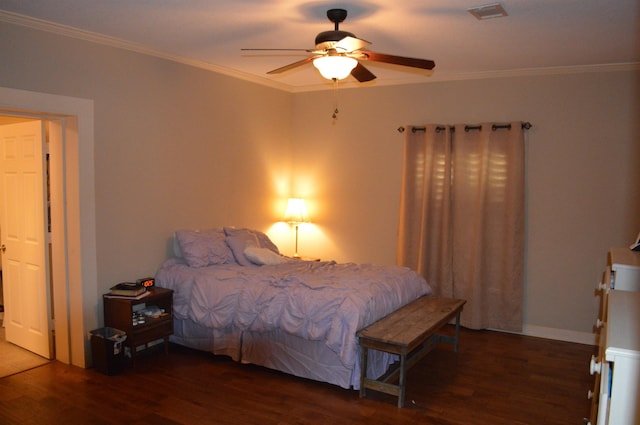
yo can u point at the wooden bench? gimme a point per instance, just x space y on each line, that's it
409 332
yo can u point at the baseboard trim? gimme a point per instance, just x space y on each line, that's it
588 338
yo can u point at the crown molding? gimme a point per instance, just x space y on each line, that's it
67 31
513 73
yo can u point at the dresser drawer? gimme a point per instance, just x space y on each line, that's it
625 269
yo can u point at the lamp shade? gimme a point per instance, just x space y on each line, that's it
335 67
296 211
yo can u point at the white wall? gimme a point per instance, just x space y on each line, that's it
583 183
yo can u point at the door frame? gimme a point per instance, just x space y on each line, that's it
73 262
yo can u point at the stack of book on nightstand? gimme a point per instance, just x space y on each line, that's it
128 290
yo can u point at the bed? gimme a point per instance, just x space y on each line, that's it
236 295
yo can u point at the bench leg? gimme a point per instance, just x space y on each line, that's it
403 377
457 334
364 351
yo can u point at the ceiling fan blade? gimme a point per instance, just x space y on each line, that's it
350 44
362 74
398 60
276 50
294 65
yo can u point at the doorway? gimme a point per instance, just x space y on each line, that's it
73 253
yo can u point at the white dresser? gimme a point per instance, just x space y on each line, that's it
616 394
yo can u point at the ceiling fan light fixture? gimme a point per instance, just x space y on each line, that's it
335 67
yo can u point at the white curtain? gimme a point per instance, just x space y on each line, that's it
462 217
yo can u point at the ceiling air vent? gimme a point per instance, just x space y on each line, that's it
488 11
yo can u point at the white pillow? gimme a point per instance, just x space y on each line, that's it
263 256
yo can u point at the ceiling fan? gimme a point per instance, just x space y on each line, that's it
337 54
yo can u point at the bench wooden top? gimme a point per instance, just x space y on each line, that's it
410 325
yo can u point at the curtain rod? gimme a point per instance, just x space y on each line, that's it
494 127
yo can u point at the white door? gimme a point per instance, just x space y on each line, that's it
23 237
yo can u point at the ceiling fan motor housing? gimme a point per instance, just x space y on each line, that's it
327 39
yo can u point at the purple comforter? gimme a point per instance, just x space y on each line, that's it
312 300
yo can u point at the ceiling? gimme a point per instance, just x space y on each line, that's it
536 36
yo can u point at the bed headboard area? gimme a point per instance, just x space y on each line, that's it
225 245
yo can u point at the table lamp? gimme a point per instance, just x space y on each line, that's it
296 214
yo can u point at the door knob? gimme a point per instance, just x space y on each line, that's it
3 248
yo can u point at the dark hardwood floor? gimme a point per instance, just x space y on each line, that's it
496 378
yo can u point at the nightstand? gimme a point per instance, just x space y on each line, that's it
128 315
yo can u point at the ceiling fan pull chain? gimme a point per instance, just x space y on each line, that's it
335 99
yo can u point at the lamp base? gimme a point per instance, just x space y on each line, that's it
296 252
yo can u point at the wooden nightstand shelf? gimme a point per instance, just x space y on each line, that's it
119 314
